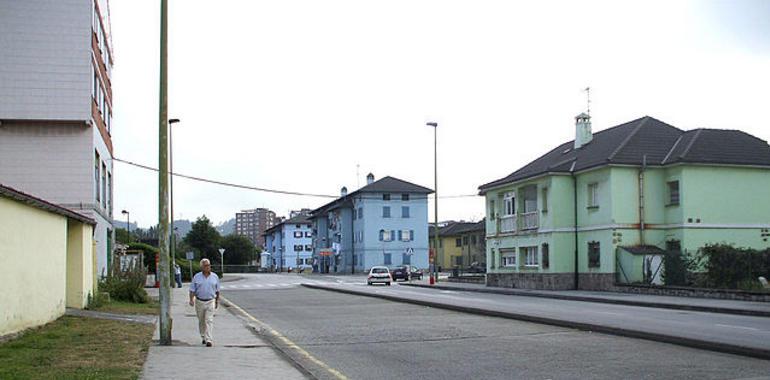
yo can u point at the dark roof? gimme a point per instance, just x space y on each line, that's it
660 143
644 250
42 204
457 228
299 219
383 185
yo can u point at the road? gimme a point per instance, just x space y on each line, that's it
369 338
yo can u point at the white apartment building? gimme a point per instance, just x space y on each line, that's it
56 107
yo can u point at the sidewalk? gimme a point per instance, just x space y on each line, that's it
237 353
761 309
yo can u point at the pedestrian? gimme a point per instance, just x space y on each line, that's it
204 295
178 275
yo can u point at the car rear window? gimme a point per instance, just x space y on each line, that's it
379 270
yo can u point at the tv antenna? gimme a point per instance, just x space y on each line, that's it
358 182
588 100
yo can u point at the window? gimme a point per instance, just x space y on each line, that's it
544 197
673 193
104 186
473 239
508 258
385 211
298 248
404 211
386 235
308 248
544 254
406 259
109 193
458 261
458 242
406 235
509 204
385 197
530 256
492 209
297 234
297 226
594 254
308 234
404 197
465 240
593 195
387 260
360 213
97 161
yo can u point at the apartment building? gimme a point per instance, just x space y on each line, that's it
253 224
56 108
290 243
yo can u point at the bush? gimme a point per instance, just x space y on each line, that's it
734 268
679 268
126 284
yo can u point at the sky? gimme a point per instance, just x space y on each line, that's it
310 96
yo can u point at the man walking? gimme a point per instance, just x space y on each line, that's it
204 295
178 275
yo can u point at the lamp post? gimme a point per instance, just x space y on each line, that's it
222 260
128 223
171 123
434 271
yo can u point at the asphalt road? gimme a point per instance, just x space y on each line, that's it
368 338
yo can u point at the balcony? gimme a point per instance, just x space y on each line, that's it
507 224
529 220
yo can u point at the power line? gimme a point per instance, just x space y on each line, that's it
255 188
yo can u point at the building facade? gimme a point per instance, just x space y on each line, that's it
461 244
382 223
581 215
56 108
254 223
290 243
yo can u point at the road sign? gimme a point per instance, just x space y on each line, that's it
190 255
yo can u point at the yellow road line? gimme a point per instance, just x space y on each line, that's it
337 374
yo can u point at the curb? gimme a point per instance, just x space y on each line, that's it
659 305
681 341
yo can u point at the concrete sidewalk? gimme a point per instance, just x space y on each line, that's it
760 309
238 353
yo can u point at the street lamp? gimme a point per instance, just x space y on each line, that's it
434 272
171 123
128 223
222 260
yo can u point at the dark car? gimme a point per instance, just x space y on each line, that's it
415 273
400 272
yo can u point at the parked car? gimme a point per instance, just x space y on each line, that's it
304 268
400 272
378 275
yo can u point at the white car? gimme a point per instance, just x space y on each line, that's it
378 275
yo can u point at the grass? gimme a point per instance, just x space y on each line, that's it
77 348
120 307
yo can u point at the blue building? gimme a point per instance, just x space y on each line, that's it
290 243
382 223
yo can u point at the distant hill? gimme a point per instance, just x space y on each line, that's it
183 227
226 227
122 224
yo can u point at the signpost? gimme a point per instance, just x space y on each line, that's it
222 257
190 258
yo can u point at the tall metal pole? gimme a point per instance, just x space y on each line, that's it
434 272
163 195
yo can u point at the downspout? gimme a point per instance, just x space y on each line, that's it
353 242
575 196
641 200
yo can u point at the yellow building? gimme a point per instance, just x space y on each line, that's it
450 245
48 260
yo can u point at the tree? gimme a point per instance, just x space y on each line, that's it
204 239
239 250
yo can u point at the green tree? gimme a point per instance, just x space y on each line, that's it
204 239
239 250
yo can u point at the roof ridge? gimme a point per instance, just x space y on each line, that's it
672 149
687 149
625 141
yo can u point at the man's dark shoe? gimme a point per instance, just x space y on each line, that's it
208 344
203 341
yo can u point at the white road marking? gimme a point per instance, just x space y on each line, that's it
737 327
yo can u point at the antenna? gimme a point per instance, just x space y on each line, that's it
588 100
358 183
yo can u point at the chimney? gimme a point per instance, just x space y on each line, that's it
343 191
583 133
369 178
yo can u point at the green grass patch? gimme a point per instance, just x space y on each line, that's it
77 348
121 307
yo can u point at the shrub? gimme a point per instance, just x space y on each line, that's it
734 268
126 284
679 268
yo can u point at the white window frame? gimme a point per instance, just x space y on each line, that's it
531 258
593 194
406 235
508 258
509 203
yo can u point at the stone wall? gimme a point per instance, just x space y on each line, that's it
546 281
681 291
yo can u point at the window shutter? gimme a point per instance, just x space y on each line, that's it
400 236
382 232
392 234
411 235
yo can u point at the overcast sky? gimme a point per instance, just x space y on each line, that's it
295 94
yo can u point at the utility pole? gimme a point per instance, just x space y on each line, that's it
171 122
163 195
434 272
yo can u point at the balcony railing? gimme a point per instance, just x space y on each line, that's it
529 220
507 224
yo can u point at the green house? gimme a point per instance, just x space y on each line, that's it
603 208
